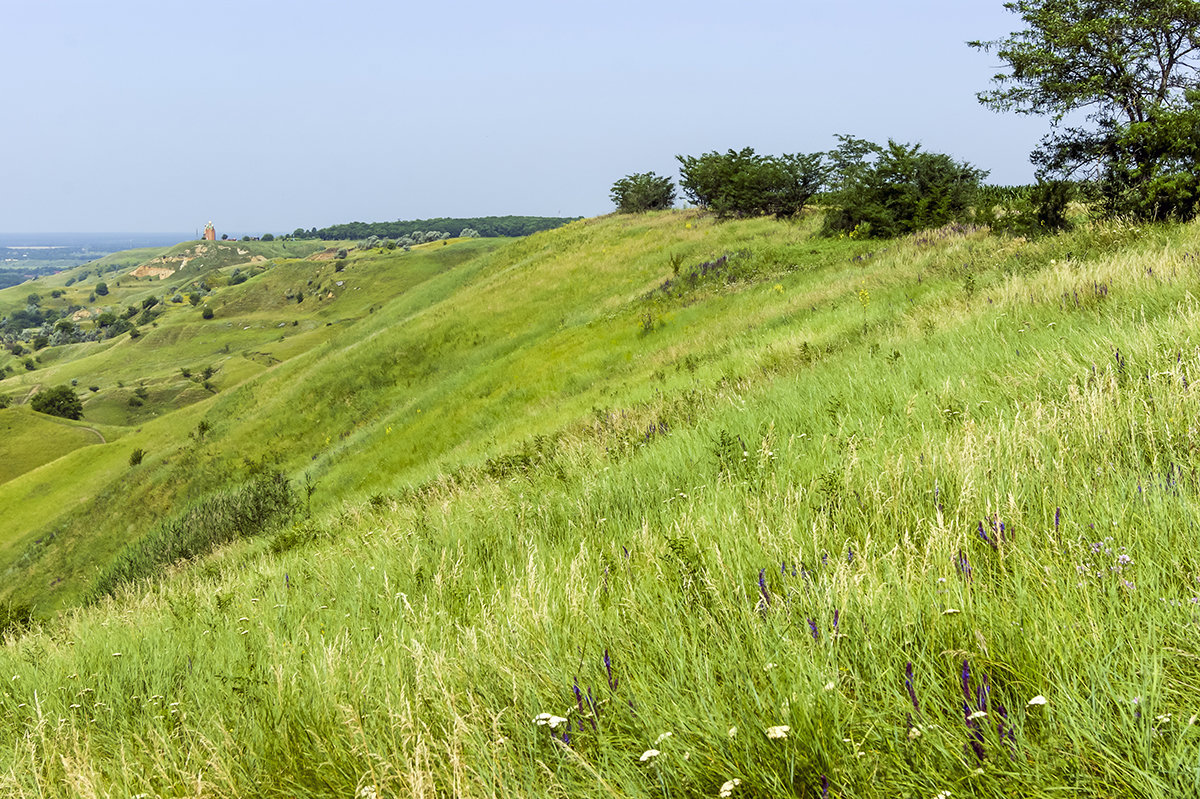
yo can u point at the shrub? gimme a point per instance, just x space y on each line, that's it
742 183
136 456
5 400
639 192
207 313
58 401
259 506
102 289
889 191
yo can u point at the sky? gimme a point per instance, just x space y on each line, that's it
266 116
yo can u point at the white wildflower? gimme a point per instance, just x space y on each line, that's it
778 732
733 732
728 786
662 738
914 733
978 714
649 754
1037 700
950 611
544 719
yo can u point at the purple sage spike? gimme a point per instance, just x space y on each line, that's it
836 613
1057 515
578 696
908 683
812 626
612 682
966 682
824 787
762 586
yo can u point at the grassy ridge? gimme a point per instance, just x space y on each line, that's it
883 495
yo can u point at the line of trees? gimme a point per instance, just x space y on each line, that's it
1131 67
488 226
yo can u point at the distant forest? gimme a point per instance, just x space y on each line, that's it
486 226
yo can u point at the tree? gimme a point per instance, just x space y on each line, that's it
742 183
102 289
267 237
639 192
58 401
1131 67
889 191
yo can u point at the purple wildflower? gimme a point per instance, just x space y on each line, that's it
566 738
812 626
762 586
836 614
612 681
578 696
1057 515
824 787
908 683
963 565
966 682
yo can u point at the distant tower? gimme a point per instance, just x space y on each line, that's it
210 232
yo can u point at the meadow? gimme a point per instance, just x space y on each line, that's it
642 506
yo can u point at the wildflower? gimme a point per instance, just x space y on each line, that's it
950 611
1037 700
778 732
367 792
978 714
1163 719
770 666
762 586
812 626
914 733
649 755
548 719
908 683
662 738
733 732
728 786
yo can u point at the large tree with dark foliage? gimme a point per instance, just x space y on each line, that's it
1130 67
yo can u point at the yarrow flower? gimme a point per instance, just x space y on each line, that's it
778 732
662 738
1037 700
649 754
728 786
548 719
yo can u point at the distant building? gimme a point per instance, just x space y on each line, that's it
210 232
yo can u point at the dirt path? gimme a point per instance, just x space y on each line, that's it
29 396
99 435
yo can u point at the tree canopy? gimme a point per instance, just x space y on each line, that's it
643 191
1130 66
58 401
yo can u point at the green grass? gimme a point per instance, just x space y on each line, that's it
969 451
29 440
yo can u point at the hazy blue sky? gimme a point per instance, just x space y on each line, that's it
267 116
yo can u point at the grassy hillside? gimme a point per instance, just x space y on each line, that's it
727 502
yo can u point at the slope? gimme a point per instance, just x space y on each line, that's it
880 519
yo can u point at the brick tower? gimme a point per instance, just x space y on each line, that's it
210 232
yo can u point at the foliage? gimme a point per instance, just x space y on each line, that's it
5 401
883 192
267 237
643 191
101 289
207 313
742 183
1129 66
58 401
1027 211
486 226
257 507
135 457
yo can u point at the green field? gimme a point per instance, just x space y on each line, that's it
28 440
725 501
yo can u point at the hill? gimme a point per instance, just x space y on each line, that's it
639 506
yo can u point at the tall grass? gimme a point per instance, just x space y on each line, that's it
893 527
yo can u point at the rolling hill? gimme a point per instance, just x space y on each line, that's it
644 505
